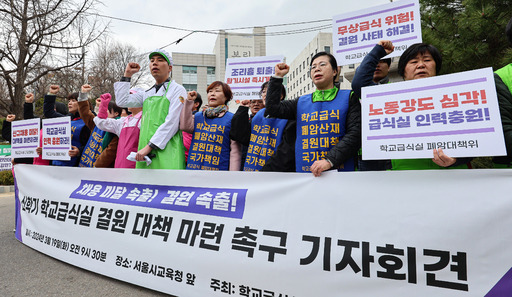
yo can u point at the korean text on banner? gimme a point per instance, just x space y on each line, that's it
356 33
25 138
57 138
5 157
246 75
199 233
458 113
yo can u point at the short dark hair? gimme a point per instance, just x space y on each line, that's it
73 96
419 48
112 107
508 31
332 61
387 61
225 89
198 100
283 89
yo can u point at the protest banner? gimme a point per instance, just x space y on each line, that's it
25 138
5 157
203 233
357 32
457 112
246 75
57 138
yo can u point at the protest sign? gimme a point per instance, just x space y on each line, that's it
203 233
57 138
5 157
458 113
25 138
356 33
246 75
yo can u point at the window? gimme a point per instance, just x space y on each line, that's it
327 49
210 75
190 75
351 66
190 87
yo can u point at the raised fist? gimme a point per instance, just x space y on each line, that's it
245 103
54 89
131 69
86 88
192 95
29 98
281 69
387 45
10 117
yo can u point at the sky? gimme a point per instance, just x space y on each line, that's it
212 15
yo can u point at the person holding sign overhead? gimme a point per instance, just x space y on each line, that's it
419 61
79 131
211 147
328 120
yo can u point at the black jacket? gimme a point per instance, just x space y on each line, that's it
348 145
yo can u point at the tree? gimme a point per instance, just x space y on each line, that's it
108 64
469 33
37 37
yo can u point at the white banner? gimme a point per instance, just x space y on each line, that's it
246 75
5 162
57 138
203 233
25 138
356 33
457 112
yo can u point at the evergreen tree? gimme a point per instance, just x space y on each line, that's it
469 33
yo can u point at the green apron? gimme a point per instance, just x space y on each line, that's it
154 112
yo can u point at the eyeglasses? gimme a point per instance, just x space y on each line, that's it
319 65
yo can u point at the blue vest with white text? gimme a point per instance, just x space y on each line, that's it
211 146
320 126
76 128
93 148
266 135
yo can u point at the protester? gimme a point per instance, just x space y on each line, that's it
162 105
28 113
373 71
503 81
241 123
263 137
211 148
187 137
97 154
79 132
126 128
328 121
419 61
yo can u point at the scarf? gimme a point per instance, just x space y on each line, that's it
213 112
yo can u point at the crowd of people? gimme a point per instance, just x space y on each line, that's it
166 127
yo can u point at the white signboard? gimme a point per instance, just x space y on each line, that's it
356 33
240 46
25 138
246 75
5 162
458 113
57 138
203 233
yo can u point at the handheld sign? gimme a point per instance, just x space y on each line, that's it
25 138
246 75
356 33
458 113
57 138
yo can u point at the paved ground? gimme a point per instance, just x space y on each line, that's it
27 272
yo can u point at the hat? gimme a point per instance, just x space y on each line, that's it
162 53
